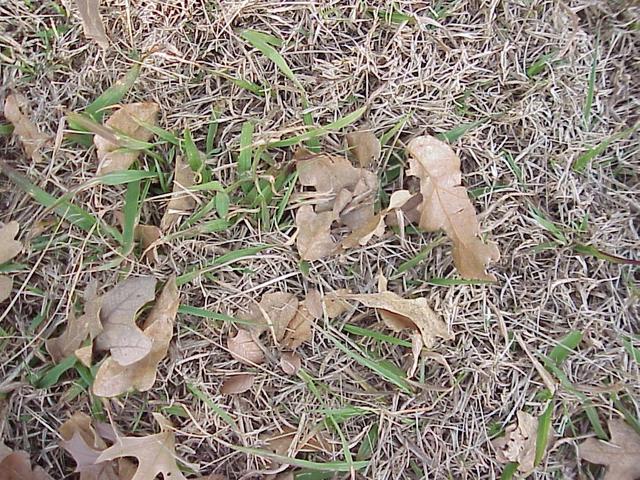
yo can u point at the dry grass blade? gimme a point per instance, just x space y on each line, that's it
237 384
244 348
113 378
127 120
364 146
181 202
92 21
120 334
621 455
32 139
446 205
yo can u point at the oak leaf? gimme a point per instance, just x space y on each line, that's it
155 453
181 202
32 139
245 349
121 335
114 378
621 454
446 205
237 384
519 443
79 328
92 21
400 314
17 466
364 146
111 155
9 248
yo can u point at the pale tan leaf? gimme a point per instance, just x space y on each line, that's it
6 285
32 139
519 443
334 305
399 199
621 454
364 146
290 362
374 226
9 247
181 202
299 329
155 453
400 314
80 439
313 302
244 348
112 156
314 234
113 378
290 441
148 235
92 21
446 205
416 349
17 466
237 384
85 355
79 328
274 312
360 209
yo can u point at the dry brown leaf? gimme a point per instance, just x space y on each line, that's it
400 314
364 146
113 378
283 442
334 305
126 341
519 443
6 285
181 202
244 348
290 362
17 466
446 205
274 312
32 139
79 328
621 454
9 247
361 235
237 384
92 21
80 439
112 157
148 235
299 329
155 453
314 234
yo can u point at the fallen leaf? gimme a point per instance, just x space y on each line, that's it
446 205
148 235
314 234
334 305
79 328
416 350
399 199
155 453
237 384
282 443
290 363
275 311
17 466
621 454
111 155
244 348
114 378
181 202
9 247
364 146
363 234
32 139
6 285
121 335
519 443
92 21
80 439
299 329
400 314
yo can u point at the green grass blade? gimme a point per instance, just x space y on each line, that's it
389 134
283 459
245 155
455 133
419 258
633 352
265 43
542 220
221 260
194 159
6 129
126 176
52 375
509 471
544 428
368 443
588 101
565 347
254 88
130 212
212 131
321 131
203 397
592 251
447 282
222 201
585 159
114 94
282 205
364 332
537 67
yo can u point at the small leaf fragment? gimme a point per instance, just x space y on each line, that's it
314 234
9 247
6 285
519 443
32 139
181 202
92 21
275 311
236 384
244 348
364 146
290 362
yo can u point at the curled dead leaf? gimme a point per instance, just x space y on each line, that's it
32 139
314 234
113 379
446 205
244 348
121 335
364 146
290 440
290 362
111 155
92 21
399 314
237 384
274 312
299 329
519 443
181 202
